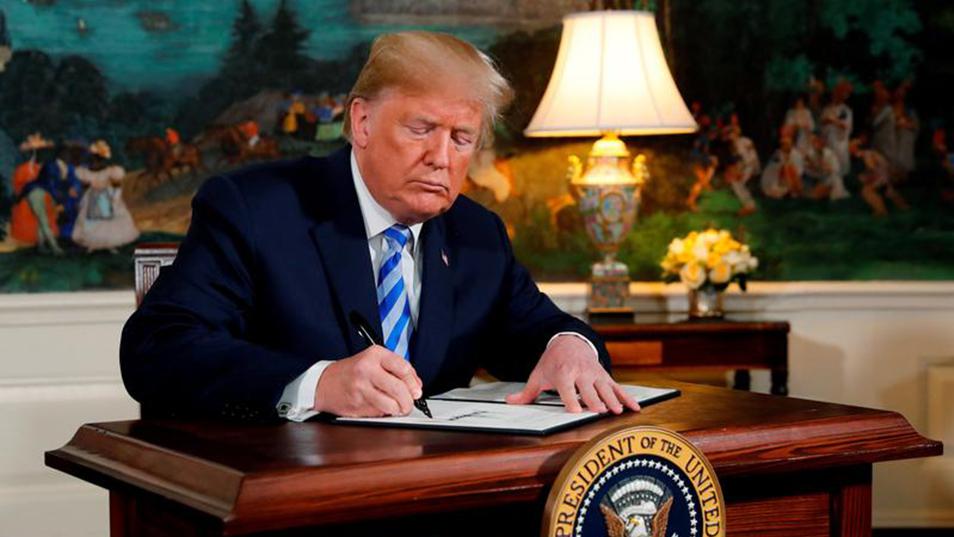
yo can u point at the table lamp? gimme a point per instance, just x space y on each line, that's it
610 80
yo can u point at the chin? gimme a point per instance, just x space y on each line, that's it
421 212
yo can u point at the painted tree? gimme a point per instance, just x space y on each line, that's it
758 54
280 51
240 76
42 94
4 34
246 30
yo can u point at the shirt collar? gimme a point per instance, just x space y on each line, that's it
376 218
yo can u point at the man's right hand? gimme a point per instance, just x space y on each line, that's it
375 382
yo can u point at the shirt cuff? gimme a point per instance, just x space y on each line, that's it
579 335
298 400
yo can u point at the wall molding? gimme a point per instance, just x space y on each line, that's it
80 308
902 518
96 307
42 389
777 297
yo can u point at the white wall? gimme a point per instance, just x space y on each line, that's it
885 345
58 369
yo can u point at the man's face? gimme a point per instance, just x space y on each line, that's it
414 150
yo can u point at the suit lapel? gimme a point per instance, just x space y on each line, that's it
342 243
436 308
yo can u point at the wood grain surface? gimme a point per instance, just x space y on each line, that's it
254 478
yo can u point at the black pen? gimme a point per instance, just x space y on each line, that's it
364 329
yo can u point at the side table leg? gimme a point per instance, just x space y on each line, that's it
851 506
120 509
743 380
780 381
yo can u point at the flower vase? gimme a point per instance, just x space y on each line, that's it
705 303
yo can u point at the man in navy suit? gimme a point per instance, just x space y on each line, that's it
254 318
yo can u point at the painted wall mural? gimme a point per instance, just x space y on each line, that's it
823 144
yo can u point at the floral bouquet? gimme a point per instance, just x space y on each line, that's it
710 259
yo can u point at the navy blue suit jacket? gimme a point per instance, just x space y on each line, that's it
275 260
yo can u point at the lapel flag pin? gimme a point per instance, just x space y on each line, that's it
444 258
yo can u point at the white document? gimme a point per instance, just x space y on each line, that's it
497 392
476 416
483 408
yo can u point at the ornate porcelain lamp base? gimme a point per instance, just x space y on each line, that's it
609 292
705 303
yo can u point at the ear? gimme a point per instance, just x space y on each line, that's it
360 114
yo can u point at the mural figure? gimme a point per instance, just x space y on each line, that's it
104 222
946 160
163 155
58 177
241 142
824 171
876 178
906 133
783 174
299 120
884 134
800 122
704 163
744 164
837 122
33 218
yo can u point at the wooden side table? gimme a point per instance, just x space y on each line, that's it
734 345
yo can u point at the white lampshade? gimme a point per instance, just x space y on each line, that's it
611 76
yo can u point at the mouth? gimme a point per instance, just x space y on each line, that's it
432 187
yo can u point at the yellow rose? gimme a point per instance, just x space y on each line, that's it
692 275
669 264
713 259
720 273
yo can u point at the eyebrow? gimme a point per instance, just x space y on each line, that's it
430 122
423 120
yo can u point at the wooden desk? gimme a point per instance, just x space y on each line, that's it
736 345
788 467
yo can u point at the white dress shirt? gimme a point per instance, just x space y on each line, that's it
298 399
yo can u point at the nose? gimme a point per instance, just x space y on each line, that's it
437 154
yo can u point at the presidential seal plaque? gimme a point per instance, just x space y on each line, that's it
635 482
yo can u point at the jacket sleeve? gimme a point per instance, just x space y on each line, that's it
186 349
528 320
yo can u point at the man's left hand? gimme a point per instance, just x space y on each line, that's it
569 367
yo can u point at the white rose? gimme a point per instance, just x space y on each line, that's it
676 247
753 263
733 258
693 275
700 251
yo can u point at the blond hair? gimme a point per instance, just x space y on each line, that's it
416 61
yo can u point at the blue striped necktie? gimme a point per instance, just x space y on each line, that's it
393 305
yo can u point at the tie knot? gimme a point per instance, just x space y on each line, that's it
398 233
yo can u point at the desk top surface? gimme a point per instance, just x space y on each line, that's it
319 472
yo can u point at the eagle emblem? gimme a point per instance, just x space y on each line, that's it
637 507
